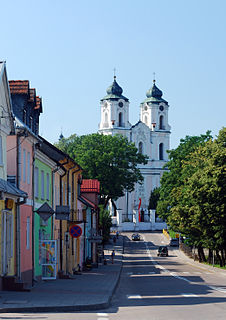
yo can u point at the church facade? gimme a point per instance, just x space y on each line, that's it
151 136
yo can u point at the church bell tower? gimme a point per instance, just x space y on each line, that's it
114 112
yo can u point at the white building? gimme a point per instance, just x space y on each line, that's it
151 135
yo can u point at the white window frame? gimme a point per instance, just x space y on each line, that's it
1 153
24 165
42 185
47 186
28 167
36 182
28 225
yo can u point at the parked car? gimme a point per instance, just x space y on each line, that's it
135 237
162 251
174 242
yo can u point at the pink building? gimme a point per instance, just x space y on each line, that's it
20 157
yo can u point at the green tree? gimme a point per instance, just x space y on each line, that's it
153 200
173 179
110 159
105 223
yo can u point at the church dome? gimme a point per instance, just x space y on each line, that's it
115 88
114 92
154 92
154 95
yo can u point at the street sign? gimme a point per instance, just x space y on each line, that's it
75 231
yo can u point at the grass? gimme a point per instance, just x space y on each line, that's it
215 265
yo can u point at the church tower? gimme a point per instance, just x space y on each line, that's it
114 112
154 113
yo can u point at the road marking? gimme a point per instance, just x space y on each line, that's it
189 295
186 272
102 318
102 314
197 272
223 290
133 296
174 274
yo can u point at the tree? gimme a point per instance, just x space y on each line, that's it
153 200
105 223
173 179
110 159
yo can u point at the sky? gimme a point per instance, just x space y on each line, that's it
69 49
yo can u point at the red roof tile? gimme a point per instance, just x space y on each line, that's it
19 86
89 185
38 103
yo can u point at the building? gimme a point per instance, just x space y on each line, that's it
11 197
151 135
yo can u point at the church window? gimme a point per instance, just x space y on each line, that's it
146 120
161 125
120 120
140 147
161 151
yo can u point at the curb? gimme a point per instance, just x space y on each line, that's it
87 307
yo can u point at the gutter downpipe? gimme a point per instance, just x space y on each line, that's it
72 202
18 168
61 201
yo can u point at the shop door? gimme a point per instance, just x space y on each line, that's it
48 259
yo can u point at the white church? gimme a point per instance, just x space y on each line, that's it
151 135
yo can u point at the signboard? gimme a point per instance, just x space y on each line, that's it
177 235
75 231
48 259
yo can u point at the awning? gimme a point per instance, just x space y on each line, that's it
9 188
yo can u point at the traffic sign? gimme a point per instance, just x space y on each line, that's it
75 231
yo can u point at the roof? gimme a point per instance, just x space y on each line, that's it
90 185
8 187
87 202
38 104
154 95
114 92
19 86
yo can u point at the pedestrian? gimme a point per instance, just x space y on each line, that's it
117 233
114 239
112 256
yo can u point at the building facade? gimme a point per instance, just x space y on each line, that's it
151 135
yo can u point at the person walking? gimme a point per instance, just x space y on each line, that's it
112 256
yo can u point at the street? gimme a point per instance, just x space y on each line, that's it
158 288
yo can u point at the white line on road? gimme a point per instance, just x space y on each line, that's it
102 319
223 290
133 296
102 315
189 295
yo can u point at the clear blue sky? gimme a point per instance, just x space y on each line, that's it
68 50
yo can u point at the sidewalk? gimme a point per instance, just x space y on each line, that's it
92 290
181 255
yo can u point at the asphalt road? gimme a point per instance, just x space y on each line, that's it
158 288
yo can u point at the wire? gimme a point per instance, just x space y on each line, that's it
17 146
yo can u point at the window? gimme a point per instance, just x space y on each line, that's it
24 116
24 165
28 233
31 123
47 186
120 119
65 193
161 125
28 167
1 157
161 151
42 185
140 147
146 120
36 182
